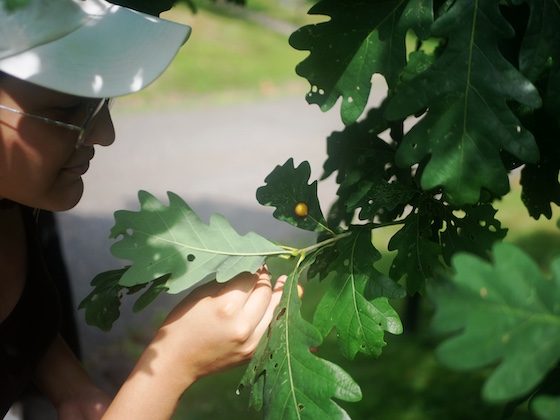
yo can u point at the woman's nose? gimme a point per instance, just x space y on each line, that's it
102 130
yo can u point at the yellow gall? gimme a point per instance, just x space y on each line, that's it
301 209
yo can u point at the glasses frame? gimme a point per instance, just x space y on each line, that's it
82 129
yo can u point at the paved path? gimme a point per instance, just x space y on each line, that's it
214 158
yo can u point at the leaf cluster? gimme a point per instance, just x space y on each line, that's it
475 81
472 92
471 95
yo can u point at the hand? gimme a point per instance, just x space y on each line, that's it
215 327
219 325
89 405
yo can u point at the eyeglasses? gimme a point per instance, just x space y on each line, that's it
91 112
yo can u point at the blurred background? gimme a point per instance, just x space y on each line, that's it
210 129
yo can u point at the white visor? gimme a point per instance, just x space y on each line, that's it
111 52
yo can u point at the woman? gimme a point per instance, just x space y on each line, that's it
59 61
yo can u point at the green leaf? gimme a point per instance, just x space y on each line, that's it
505 314
366 170
540 49
418 251
469 121
173 241
320 263
386 199
359 323
286 186
11 5
154 290
288 381
546 407
541 40
102 305
361 38
552 95
475 232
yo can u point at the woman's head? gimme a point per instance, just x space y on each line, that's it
40 165
57 56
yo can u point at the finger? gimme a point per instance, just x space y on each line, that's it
235 292
262 326
257 302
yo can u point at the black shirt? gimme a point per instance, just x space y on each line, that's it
28 331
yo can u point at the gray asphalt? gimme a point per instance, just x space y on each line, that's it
213 157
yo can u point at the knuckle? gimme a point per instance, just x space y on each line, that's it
247 353
241 332
226 311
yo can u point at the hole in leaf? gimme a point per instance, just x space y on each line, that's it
190 257
459 214
386 136
300 407
280 314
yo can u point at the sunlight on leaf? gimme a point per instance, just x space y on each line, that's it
160 240
359 323
469 121
360 39
288 381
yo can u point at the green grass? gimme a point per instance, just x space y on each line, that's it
290 11
227 58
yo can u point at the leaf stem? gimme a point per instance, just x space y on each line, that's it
302 252
321 244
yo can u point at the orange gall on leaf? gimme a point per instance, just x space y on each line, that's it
301 209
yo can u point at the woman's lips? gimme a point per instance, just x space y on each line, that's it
78 169
81 165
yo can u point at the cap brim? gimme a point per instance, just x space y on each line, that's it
112 54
